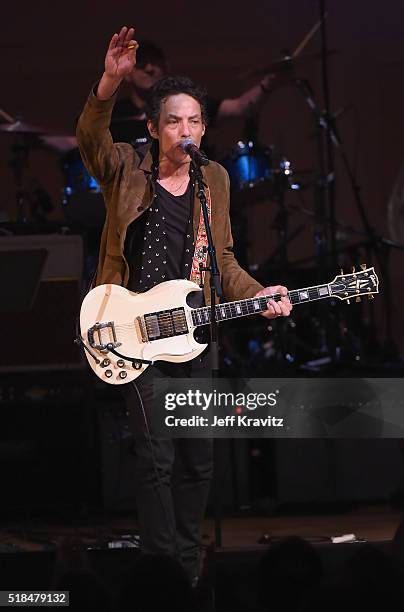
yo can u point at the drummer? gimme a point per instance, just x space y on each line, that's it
128 122
129 119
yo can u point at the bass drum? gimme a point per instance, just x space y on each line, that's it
83 203
256 172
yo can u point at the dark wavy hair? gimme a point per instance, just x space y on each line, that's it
150 53
171 86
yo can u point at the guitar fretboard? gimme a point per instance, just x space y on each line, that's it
249 306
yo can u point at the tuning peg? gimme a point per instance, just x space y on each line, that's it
371 297
358 299
363 266
348 301
353 269
342 272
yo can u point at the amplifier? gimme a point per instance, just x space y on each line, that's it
41 334
48 442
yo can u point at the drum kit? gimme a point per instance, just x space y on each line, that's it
256 172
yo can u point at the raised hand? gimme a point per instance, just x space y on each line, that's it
121 55
119 61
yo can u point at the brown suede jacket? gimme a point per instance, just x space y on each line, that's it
127 186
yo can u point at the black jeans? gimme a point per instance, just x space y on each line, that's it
171 506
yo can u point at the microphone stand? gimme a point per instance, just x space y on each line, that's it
215 286
215 291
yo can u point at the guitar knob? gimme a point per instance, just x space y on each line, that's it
105 363
120 363
122 374
358 299
371 297
108 373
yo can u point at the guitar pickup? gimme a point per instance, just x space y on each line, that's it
163 324
102 336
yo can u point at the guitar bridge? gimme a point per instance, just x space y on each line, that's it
102 336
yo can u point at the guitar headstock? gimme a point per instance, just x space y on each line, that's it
356 284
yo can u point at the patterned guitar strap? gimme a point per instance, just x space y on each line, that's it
201 245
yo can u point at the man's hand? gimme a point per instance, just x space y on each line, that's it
119 62
276 309
120 59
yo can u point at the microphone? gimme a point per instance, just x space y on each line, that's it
198 157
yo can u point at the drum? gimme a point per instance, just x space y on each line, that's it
256 172
83 203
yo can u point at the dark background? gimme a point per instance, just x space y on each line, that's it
51 53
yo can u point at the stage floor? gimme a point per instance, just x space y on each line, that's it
373 523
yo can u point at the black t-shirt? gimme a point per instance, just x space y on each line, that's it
159 245
177 211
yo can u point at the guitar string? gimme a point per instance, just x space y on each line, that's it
166 319
247 303
232 306
166 323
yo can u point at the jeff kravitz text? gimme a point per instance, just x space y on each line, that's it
231 420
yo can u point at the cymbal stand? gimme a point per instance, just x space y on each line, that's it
18 163
325 232
281 225
325 123
328 128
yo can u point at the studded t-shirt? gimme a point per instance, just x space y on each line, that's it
159 245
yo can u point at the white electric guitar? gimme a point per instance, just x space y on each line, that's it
124 332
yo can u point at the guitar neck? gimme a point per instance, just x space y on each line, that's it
249 306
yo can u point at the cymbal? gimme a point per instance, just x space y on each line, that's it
61 143
285 63
21 127
5 117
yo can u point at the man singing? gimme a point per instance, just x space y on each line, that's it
152 227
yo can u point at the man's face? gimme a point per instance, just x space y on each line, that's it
180 118
144 77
